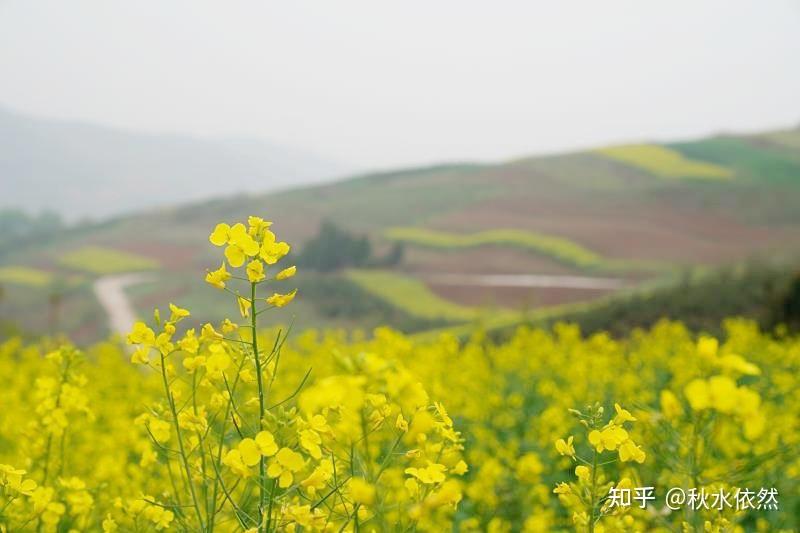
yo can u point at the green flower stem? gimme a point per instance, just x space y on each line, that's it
262 500
200 439
218 461
184 459
594 491
62 381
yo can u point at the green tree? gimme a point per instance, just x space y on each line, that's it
334 249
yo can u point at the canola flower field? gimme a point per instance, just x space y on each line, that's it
665 162
98 260
239 426
558 248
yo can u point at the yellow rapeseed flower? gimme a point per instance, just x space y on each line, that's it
401 423
218 277
318 478
311 441
272 251
141 334
629 451
622 416
233 460
562 488
565 447
266 443
244 306
283 465
239 243
281 300
432 473
257 226
583 473
177 313
361 491
608 438
670 405
255 271
249 452
286 273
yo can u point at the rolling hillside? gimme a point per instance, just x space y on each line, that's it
80 170
479 240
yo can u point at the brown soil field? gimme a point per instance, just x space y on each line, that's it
483 260
169 256
513 298
651 232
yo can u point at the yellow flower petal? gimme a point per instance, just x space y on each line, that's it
255 271
286 273
234 255
220 234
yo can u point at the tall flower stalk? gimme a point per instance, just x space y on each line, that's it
588 497
211 356
308 458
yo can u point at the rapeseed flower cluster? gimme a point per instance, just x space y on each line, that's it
237 426
242 449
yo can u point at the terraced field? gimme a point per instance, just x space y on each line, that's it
410 295
25 276
664 162
98 260
558 248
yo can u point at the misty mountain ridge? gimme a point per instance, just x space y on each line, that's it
80 169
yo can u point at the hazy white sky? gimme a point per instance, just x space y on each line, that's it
380 84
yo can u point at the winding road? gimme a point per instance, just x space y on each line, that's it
110 292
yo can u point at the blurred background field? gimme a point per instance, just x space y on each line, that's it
532 165
577 235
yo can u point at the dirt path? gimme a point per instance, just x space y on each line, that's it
524 280
110 292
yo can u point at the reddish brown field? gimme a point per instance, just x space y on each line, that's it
483 260
169 256
650 232
513 298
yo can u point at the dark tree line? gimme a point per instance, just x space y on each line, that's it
20 228
335 248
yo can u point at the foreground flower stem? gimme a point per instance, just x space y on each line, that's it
594 490
184 460
694 462
63 380
262 490
216 456
271 501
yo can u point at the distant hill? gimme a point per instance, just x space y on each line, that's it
79 169
481 241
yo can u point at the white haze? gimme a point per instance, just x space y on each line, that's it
385 84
